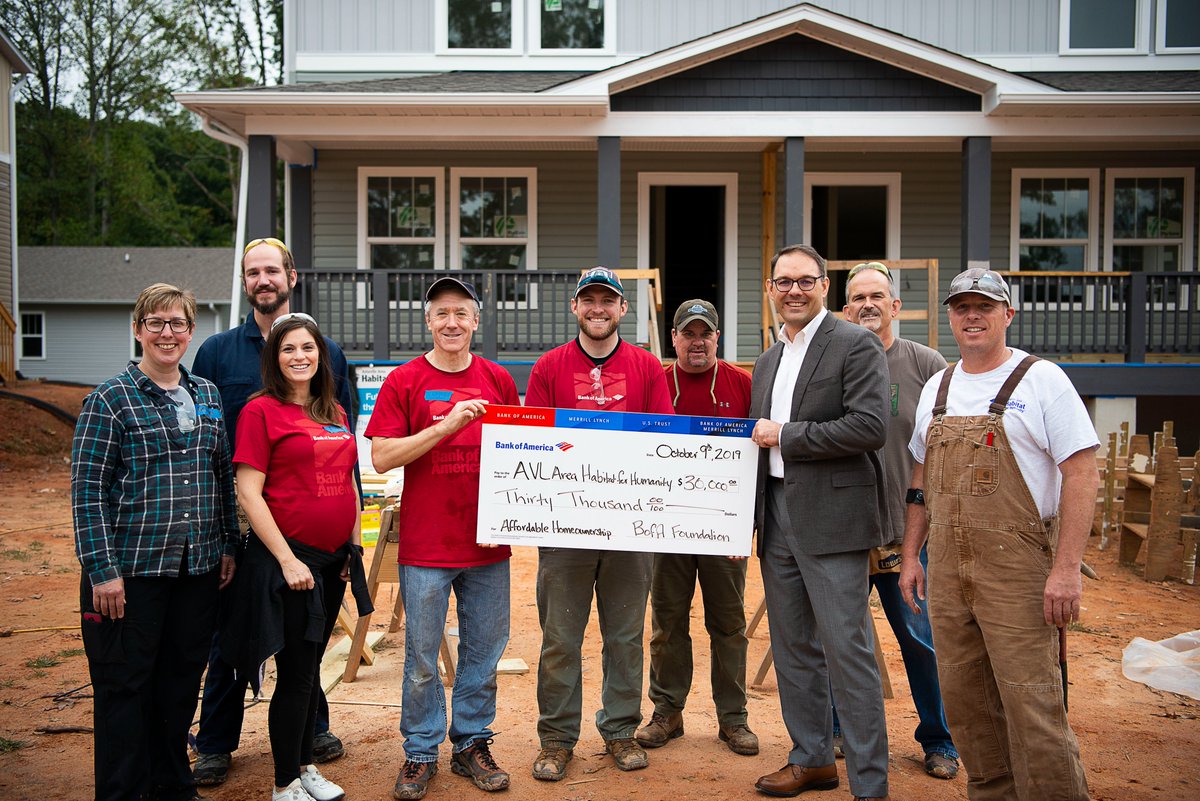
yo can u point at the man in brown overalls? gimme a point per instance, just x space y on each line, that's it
1006 472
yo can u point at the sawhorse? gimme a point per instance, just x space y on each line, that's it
769 656
389 537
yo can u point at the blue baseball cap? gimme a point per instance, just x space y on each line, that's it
600 276
451 283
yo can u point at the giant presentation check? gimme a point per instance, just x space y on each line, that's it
617 481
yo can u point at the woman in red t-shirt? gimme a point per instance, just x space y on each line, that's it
295 462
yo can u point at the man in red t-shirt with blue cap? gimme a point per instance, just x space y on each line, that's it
597 370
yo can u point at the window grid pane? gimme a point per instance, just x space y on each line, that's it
482 24
1183 23
1054 209
572 24
1104 24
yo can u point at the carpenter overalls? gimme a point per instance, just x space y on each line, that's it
990 553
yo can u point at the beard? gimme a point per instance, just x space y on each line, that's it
607 331
263 306
871 323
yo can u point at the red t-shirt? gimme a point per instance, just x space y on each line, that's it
631 380
439 507
698 394
309 467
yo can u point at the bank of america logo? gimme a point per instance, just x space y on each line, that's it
564 446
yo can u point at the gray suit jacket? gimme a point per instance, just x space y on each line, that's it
833 470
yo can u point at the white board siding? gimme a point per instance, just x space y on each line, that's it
1010 27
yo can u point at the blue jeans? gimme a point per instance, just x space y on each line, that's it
915 637
482 595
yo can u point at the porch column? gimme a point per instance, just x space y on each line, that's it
608 202
300 215
793 191
976 201
260 205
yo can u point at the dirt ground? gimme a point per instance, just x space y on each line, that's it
1136 742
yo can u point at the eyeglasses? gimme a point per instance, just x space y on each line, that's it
868 265
266 240
155 325
807 283
294 316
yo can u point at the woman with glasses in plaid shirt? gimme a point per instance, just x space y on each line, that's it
155 530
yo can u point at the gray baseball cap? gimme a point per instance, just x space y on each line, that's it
696 309
988 283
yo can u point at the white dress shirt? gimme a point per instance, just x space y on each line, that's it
785 380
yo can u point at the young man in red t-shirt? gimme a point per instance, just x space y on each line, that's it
703 385
597 370
426 419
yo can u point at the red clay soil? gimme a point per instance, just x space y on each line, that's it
1136 742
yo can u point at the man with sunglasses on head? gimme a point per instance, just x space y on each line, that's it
1004 488
599 371
871 302
821 396
702 385
232 361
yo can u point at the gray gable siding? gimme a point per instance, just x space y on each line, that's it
1019 27
796 74
90 343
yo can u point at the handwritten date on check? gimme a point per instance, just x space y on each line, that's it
565 478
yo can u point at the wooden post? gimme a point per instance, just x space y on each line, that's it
769 169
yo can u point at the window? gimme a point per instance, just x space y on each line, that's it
483 26
497 27
1148 220
494 223
402 218
33 335
1178 26
1053 225
571 25
400 225
1104 26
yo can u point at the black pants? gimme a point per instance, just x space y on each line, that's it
145 671
293 712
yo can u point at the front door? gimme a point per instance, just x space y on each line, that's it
852 217
687 229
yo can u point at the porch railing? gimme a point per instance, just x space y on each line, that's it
1124 315
1104 315
524 312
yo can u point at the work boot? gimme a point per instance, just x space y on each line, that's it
660 730
478 765
413 780
627 753
551 763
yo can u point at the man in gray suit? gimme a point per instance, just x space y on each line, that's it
821 393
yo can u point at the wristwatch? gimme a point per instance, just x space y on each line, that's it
915 496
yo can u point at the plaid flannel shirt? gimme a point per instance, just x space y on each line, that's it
142 490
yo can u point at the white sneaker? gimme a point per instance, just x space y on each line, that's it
318 787
293 792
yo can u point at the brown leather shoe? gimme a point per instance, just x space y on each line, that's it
792 780
661 730
739 739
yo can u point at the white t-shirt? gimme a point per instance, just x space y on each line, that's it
1045 420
